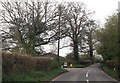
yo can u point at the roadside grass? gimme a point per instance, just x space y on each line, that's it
111 72
35 75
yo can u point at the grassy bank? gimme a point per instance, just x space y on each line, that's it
110 71
35 75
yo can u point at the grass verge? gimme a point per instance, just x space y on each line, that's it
35 75
111 72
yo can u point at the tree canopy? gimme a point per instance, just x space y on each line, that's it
108 38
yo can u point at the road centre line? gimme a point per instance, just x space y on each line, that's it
87 75
88 72
87 81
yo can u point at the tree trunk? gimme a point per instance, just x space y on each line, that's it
91 54
75 48
90 46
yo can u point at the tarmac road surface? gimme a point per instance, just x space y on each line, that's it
90 74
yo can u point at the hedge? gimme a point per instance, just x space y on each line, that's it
14 62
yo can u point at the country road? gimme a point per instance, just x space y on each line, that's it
89 74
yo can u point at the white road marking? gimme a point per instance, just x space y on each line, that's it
109 76
56 77
86 74
89 70
87 81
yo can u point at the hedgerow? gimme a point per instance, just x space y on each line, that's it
18 63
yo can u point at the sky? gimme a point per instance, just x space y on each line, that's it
102 8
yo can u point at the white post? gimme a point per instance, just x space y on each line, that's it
114 69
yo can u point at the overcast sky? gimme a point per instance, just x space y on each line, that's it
102 8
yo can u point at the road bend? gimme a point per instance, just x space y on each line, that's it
90 74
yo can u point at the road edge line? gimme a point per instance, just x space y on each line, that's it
58 76
110 76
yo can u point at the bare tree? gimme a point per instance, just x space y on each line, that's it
29 24
76 19
90 38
